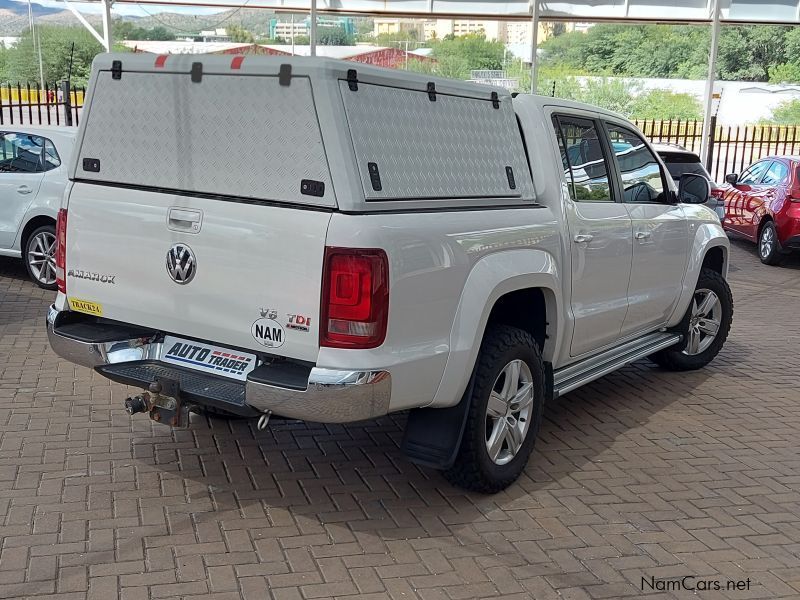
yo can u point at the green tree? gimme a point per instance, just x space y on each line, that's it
334 36
786 113
239 34
664 104
745 53
23 63
457 56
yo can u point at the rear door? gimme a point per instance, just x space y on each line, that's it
21 173
599 233
203 212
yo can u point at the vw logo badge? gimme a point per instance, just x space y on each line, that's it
181 264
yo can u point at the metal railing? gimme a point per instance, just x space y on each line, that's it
732 147
30 104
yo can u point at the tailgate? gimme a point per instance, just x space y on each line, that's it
247 275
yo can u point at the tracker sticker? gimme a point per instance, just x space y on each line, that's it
86 306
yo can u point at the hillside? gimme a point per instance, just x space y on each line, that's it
14 19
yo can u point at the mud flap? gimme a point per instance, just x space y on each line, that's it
432 436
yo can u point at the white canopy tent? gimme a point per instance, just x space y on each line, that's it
712 12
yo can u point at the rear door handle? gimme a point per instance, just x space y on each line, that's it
24 189
184 219
642 235
583 238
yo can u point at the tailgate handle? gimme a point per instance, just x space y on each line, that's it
185 220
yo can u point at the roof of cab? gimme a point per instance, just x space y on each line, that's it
542 101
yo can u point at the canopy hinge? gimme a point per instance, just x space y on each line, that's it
116 69
495 100
197 72
352 80
431 91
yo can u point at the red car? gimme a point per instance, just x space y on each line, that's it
763 205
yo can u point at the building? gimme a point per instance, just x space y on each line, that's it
380 56
214 35
286 30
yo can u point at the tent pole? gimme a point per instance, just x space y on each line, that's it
313 34
708 98
107 37
534 42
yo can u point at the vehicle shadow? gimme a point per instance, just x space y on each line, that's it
21 302
351 483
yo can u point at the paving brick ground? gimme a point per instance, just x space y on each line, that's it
642 474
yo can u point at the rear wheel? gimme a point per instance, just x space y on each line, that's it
505 412
39 255
769 247
705 326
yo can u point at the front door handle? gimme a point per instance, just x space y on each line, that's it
582 238
24 189
642 235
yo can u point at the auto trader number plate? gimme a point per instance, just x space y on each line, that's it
214 360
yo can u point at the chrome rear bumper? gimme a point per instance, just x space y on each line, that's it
330 395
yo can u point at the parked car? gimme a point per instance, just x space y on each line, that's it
680 161
409 243
763 205
33 175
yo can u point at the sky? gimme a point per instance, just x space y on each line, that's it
128 9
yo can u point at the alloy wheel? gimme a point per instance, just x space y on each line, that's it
42 257
508 413
767 242
704 322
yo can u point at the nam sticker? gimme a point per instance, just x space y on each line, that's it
86 306
267 331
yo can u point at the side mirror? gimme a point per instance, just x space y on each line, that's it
732 178
693 189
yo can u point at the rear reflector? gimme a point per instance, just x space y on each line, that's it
61 250
355 298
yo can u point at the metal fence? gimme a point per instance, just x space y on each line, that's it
30 104
732 148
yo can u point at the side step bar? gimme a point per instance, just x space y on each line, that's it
573 376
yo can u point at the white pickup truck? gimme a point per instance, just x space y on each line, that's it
328 241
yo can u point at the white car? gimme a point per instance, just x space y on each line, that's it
349 241
33 175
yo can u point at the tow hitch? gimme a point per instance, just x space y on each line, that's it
163 401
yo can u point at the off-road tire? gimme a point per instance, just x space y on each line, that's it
473 468
673 358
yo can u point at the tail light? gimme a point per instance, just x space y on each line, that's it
718 193
61 250
355 298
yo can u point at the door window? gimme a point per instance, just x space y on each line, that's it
642 179
776 174
51 158
753 173
585 164
21 153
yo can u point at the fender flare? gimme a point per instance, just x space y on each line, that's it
707 236
490 278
